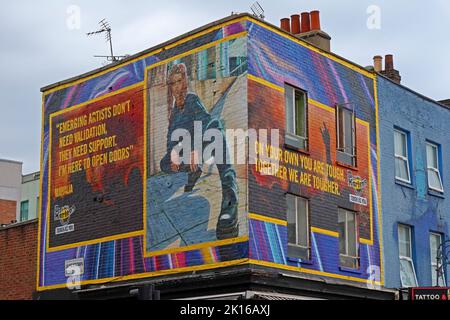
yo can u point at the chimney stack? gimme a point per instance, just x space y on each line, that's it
389 62
306 22
295 24
286 24
378 63
307 28
389 70
315 20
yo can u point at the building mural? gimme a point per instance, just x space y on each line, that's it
104 183
193 203
316 174
186 217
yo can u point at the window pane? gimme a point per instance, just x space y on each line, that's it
24 211
340 129
404 249
433 275
342 233
404 241
302 214
289 97
401 169
435 241
400 144
403 233
442 282
351 229
407 274
434 180
348 131
300 112
290 199
432 156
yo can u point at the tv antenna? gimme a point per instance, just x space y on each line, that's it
258 11
106 28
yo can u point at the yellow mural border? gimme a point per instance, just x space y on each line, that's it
200 245
310 271
151 274
380 221
97 240
359 121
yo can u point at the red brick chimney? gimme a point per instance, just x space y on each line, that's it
295 23
315 20
286 24
307 28
389 70
306 22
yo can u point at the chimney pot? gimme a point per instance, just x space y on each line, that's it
315 20
286 24
306 22
389 62
295 24
378 63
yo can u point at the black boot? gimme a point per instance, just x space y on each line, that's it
192 179
227 224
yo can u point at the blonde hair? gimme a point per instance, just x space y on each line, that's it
179 68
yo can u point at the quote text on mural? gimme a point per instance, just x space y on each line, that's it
297 168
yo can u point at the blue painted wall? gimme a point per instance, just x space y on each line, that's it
413 205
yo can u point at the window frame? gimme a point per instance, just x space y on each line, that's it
292 139
408 259
434 261
437 170
401 157
341 149
27 202
346 254
306 250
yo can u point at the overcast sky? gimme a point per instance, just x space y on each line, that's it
38 48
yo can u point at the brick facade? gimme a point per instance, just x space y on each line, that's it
18 247
8 210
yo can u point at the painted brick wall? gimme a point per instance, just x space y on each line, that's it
216 62
7 211
18 247
413 204
276 60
